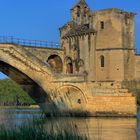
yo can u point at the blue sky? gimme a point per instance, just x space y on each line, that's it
41 19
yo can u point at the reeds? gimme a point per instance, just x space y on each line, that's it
36 131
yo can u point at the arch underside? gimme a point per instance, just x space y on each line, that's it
26 83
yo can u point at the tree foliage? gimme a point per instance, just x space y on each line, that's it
10 92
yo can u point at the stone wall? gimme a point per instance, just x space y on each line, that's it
134 87
95 99
112 106
113 65
44 53
137 67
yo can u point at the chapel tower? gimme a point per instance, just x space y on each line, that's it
99 44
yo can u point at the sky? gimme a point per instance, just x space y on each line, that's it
41 19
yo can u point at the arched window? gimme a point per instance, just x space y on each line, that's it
69 65
102 61
56 63
78 11
81 66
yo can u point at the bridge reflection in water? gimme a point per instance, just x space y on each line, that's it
101 128
94 128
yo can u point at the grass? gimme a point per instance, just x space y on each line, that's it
36 131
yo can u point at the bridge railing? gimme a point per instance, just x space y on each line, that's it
26 42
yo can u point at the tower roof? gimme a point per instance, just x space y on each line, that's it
80 3
79 30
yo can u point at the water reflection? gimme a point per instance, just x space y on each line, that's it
12 118
94 128
101 128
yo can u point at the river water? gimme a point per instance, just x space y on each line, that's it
94 128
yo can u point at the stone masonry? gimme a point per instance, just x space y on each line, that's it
84 76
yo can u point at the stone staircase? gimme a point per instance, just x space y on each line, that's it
106 93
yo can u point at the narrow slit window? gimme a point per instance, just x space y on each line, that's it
102 25
102 61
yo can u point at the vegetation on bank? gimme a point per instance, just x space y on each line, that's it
36 131
11 94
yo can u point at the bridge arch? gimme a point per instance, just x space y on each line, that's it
28 71
26 83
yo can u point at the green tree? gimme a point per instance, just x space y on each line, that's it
10 91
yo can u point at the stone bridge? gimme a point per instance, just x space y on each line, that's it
40 72
29 68
85 74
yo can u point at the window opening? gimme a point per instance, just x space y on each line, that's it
102 24
102 61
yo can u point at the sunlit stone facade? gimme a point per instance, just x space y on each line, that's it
84 76
100 43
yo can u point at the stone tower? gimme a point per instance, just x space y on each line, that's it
99 44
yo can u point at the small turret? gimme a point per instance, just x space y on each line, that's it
80 12
80 3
